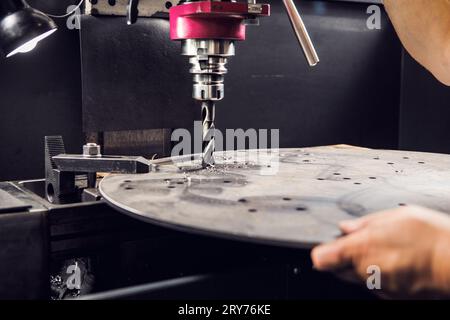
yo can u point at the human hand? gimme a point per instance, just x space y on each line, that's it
410 245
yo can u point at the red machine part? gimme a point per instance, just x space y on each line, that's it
213 19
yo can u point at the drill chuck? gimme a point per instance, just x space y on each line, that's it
208 60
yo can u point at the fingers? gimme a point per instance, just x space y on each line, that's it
336 255
347 250
351 226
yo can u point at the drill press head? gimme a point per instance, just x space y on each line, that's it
207 31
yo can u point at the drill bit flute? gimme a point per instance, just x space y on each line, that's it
208 145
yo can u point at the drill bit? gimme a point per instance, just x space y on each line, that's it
208 115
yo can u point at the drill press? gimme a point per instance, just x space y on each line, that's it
207 31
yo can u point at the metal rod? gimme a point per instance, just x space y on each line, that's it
146 289
302 33
208 116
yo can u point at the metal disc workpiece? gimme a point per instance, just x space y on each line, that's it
292 198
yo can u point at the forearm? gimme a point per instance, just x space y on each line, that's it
424 29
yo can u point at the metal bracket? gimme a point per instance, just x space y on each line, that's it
62 170
117 164
146 8
59 186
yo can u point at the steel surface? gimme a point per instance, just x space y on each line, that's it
295 202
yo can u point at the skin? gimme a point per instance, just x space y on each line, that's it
411 245
423 26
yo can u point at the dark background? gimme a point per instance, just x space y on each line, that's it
366 91
40 94
424 110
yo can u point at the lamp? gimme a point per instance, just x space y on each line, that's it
22 27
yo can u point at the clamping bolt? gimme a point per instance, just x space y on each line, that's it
91 150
